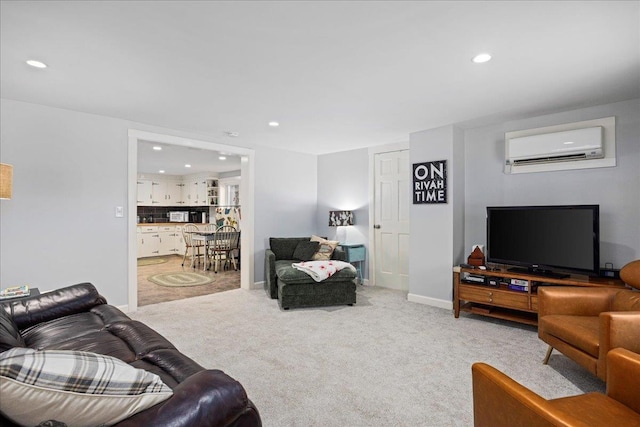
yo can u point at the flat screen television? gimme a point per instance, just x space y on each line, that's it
542 239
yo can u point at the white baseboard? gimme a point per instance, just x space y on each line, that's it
440 303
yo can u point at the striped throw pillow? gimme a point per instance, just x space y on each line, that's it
74 387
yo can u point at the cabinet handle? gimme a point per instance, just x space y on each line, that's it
490 299
490 293
377 226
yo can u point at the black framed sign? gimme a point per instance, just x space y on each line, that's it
430 182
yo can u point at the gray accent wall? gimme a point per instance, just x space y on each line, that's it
285 199
436 230
615 189
343 184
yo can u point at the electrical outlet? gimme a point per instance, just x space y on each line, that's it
119 212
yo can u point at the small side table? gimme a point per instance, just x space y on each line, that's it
356 253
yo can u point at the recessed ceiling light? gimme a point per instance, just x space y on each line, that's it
232 134
274 124
161 171
187 165
222 158
157 148
36 64
568 142
481 58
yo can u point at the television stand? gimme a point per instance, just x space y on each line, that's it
487 292
537 272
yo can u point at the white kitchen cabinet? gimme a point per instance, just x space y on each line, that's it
173 196
148 241
154 240
167 193
191 187
201 198
145 192
174 191
167 240
180 244
158 191
197 192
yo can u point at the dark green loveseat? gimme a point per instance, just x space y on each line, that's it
294 288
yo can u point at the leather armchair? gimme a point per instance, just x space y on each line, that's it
499 401
584 324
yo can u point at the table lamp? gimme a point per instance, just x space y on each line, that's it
340 219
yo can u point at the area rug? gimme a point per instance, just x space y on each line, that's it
151 261
180 278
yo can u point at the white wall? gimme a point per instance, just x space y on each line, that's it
436 229
70 172
615 189
343 184
285 199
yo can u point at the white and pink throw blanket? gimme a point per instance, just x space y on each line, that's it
321 270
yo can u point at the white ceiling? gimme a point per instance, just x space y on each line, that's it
172 160
336 75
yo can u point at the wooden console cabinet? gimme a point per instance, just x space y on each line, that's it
504 303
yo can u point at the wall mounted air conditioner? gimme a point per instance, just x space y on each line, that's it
565 146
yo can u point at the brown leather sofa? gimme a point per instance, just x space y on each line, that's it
499 401
584 324
78 318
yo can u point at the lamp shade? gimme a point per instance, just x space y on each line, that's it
340 218
6 181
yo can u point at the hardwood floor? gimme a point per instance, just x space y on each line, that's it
150 293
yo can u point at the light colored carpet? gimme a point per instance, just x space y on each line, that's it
180 278
383 362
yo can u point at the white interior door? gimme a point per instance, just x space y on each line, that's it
391 219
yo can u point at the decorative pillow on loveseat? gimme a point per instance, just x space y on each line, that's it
325 249
305 250
74 387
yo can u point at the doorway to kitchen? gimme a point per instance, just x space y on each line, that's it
146 272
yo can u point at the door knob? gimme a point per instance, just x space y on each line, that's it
377 226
